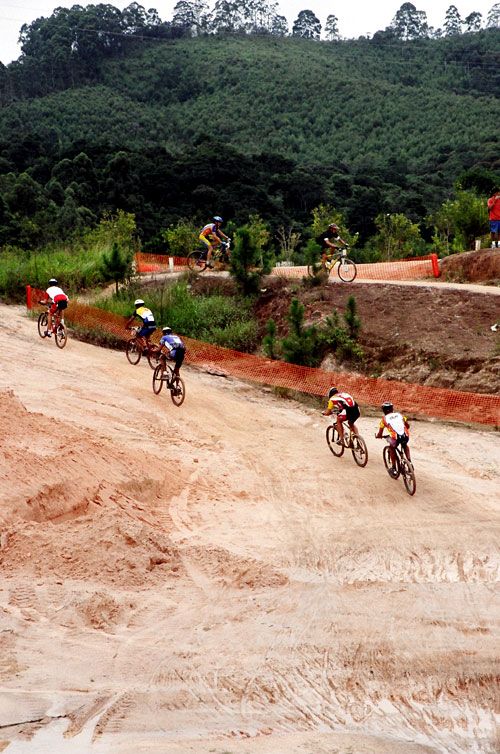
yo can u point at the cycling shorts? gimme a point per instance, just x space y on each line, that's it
146 331
209 241
402 440
495 226
59 304
349 414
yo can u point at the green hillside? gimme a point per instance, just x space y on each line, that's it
179 127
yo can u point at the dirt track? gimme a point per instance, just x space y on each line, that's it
212 579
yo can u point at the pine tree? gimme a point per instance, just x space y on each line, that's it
332 28
117 266
306 25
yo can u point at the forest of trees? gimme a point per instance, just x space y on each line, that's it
227 110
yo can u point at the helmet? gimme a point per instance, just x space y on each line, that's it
217 219
387 407
166 330
138 302
52 281
333 391
333 226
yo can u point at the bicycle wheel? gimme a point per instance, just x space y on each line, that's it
408 476
197 261
332 437
388 462
60 336
177 390
153 356
43 321
133 352
346 270
160 375
359 450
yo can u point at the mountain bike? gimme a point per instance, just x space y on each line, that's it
352 442
58 326
164 374
403 467
346 268
136 348
197 260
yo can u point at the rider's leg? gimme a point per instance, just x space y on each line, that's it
340 428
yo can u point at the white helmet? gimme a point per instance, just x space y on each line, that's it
138 302
166 330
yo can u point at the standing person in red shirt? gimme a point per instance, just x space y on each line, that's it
494 210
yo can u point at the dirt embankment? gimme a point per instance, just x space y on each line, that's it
472 267
425 334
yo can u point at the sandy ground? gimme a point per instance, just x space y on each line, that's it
210 579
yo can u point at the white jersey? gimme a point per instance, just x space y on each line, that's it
396 421
54 291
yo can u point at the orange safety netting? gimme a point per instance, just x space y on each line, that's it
414 268
414 399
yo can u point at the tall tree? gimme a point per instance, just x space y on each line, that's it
473 21
228 16
306 25
279 26
452 22
191 15
410 23
493 19
332 28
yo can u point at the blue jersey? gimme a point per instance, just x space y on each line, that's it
172 342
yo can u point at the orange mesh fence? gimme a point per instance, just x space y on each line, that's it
159 263
414 268
414 399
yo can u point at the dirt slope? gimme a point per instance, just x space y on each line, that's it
211 579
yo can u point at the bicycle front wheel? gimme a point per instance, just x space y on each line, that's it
133 351
177 390
346 270
359 450
160 375
60 336
332 438
197 261
43 322
409 477
153 356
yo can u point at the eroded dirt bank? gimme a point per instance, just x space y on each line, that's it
211 579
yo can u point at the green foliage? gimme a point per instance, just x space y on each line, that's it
269 340
117 265
75 268
397 236
215 319
307 346
352 319
249 259
181 237
119 228
459 221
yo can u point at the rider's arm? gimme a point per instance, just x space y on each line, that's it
381 428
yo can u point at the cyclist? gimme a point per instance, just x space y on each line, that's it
346 409
211 235
329 240
59 300
172 347
148 322
399 433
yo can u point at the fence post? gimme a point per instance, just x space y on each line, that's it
28 296
435 266
171 264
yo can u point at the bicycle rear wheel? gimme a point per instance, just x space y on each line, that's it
346 270
177 390
408 476
60 336
43 321
133 352
388 462
332 436
197 260
359 450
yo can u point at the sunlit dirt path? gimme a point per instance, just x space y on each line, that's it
211 579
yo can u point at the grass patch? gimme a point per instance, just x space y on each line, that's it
223 320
